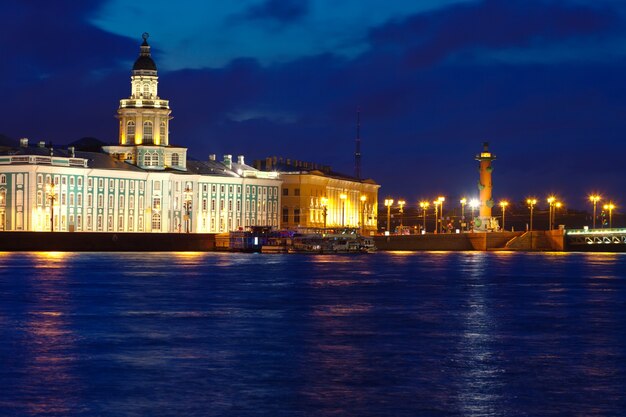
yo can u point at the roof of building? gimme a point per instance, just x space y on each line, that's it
293 167
145 61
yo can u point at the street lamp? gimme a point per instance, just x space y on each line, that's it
610 206
424 205
187 208
52 197
474 204
504 205
401 203
343 197
363 200
531 205
463 202
557 205
594 198
388 203
436 203
441 200
324 210
551 201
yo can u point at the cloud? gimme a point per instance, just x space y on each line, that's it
430 38
284 11
215 33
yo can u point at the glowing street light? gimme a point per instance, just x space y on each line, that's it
343 197
424 205
504 205
324 209
363 200
531 205
52 197
441 199
557 205
594 198
474 204
610 206
436 204
463 202
388 204
401 203
551 201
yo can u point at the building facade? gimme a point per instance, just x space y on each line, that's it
143 184
315 196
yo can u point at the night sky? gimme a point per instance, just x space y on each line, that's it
543 81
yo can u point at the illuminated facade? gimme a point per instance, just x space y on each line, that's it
314 196
143 184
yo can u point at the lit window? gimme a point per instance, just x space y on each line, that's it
147 132
156 221
162 131
175 161
130 130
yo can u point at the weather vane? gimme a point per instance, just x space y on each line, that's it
145 36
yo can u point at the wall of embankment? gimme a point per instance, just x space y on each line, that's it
471 241
106 242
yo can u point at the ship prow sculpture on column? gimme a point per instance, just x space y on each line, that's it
485 222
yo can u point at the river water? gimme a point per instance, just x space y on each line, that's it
387 334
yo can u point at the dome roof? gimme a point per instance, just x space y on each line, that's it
144 62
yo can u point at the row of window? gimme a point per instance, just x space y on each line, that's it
296 191
147 131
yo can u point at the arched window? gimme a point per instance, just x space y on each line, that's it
175 160
146 90
156 221
3 197
147 159
3 179
147 132
130 130
162 131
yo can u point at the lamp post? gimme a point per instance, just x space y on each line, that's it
388 203
52 197
324 210
557 205
463 201
187 208
401 203
594 198
551 201
343 197
363 200
424 205
610 206
441 199
474 203
436 203
531 205
504 205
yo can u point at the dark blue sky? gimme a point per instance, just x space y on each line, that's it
542 81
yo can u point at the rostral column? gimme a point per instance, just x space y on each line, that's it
484 222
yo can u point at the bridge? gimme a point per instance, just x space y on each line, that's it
596 239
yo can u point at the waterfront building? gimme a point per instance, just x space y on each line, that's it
314 195
142 184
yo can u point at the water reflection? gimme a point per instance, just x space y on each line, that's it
48 339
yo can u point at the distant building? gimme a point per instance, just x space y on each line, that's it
315 196
143 184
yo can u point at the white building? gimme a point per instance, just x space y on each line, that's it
143 184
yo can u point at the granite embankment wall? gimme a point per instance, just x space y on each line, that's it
110 242
537 240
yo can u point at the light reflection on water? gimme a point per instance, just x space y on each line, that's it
399 334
